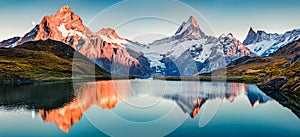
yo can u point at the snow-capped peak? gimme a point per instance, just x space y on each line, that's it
64 11
189 29
109 35
192 21
230 36
251 30
222 36
250 36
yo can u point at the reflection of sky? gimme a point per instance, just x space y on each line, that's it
224 16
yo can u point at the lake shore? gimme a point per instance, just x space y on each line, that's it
65 79
201 78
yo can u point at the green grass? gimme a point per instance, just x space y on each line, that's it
45 61
267 69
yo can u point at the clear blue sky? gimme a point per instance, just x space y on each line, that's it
224 16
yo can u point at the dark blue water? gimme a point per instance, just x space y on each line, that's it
142 108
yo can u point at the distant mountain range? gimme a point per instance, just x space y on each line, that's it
264 44
188 52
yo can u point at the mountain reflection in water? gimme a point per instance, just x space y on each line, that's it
191 103
102 93
65 107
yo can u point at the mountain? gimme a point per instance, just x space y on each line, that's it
224 52
9 43
290 49
103 47
189 30
64 26
264 44
190 51
45 61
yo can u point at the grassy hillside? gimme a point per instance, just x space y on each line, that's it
279 72
265 70
45 61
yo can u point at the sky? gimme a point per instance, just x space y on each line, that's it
134 18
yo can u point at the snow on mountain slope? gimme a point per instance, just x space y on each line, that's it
205 53
66 33
187 51
104 47
264 44
10 43
172 49
187 37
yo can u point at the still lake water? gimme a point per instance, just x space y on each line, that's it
142 108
